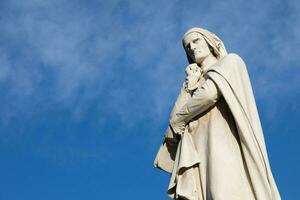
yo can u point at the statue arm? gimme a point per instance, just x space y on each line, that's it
203 99
181 100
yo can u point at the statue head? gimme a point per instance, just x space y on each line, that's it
199 42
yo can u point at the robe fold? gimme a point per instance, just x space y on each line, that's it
222 154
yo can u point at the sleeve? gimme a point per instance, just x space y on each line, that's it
181 100
203 99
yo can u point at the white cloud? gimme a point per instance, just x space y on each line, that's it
131 51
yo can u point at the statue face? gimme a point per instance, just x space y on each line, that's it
196 47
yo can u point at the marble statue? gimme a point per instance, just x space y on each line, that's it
214 146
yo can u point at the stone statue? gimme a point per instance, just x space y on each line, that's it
214 147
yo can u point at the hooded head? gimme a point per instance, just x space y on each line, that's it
214 43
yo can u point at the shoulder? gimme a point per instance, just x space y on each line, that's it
231 61
232 57
229 65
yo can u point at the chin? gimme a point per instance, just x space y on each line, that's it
198 60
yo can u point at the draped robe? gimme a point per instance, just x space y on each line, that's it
221 155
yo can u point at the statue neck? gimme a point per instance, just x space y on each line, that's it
208 62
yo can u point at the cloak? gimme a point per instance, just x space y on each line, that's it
178 153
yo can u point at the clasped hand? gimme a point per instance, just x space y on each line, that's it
193 73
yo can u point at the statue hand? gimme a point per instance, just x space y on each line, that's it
193 70
193 73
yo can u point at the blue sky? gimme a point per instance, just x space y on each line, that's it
87 86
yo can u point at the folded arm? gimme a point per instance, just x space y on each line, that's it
203 99
182 98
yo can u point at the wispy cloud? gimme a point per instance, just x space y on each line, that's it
127 55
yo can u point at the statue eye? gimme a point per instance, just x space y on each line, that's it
188 46
196 40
